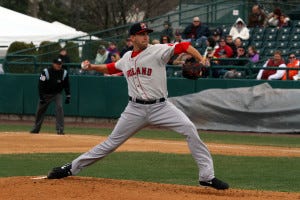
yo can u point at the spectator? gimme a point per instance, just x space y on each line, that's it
51 83
240 61
238 43
273 18
63 55
216 35
293 63
196 32
239 30
128 47
114 58
272 74
112 48
164 39
230 42
252 54
178 37
224 51
257 18
168 30
209 56
211 45
284 21
102 55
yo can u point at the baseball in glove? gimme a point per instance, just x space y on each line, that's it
192 70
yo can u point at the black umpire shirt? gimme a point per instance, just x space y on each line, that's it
53 82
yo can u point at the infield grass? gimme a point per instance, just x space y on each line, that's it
255 173
282 140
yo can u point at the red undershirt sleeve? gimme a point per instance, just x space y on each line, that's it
111 67
181 47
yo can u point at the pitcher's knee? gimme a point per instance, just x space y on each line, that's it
190 129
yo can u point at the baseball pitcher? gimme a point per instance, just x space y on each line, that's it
145 71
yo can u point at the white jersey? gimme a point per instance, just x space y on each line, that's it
146 72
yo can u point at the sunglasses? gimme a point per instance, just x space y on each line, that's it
292 57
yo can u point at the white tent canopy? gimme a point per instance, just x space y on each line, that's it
19 27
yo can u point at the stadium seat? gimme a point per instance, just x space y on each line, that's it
270 44
281 44
284 50
295 37
296 30
272 31
258 37
261 51
226 30
270 37
296 23
284 30
283 37
269 52
257 44
246 43
259 30
295 44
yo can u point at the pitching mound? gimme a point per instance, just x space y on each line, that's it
108 189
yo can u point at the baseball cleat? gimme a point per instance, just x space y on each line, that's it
60 172
34 131
215 183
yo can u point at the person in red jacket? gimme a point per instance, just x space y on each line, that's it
272 74
223 51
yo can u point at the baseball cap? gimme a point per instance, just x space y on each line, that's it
57 61
216 32
139 28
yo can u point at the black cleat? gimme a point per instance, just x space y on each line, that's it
215 183
60 132
60 172
34 131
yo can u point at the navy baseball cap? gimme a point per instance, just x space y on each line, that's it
57 61
139 28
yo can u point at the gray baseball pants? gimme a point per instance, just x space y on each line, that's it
137 116
42 108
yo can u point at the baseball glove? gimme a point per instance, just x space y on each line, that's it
192 70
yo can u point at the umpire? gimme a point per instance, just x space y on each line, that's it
52 81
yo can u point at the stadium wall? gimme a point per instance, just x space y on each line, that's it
102 97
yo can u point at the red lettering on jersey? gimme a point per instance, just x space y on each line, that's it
149 71
144 69
138 71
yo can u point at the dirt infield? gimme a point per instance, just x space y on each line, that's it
16 188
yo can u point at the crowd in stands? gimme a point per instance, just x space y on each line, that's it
238 45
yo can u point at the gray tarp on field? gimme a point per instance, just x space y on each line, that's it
256 109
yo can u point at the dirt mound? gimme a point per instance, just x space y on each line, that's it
17 188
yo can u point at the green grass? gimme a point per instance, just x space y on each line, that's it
257 173
227 138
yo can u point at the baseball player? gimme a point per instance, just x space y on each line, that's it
145 72
52 81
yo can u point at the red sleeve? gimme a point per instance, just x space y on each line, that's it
112 68
181 47
229 51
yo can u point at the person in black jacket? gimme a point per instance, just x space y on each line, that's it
196 32
51 83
